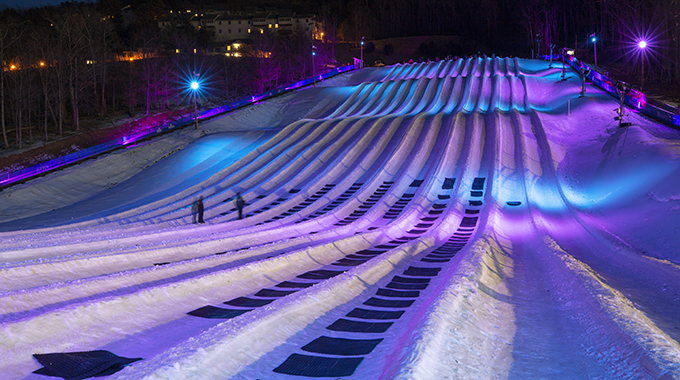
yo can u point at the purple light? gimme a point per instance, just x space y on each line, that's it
642 44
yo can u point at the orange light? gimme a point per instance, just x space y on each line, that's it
42 63
12 67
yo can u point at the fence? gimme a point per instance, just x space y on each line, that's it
633 98
152 126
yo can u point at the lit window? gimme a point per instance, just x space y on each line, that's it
248 31
228 47
276 25
261 31
270 26
176 51
194 51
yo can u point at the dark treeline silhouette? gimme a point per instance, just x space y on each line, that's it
523 27
62 64
76 62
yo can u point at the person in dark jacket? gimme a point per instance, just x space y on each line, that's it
194 211
240 202
199 209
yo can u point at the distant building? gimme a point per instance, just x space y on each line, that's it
225 26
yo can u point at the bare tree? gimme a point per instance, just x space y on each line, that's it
10 32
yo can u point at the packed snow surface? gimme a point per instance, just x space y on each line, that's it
459 219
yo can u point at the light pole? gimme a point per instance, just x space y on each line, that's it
314 65
362 53
593 39
194 88
642 45
563 52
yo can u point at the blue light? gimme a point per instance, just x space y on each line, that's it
194 85
594 39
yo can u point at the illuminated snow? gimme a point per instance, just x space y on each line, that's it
572 270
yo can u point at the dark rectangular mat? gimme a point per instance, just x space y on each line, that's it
427 260
321 274
371 252
212 312
397 293
441 256
411 280
274 293
448 183
359 326
478 183
298 285
402 286
248 302
374 314
468 221
396 304
318 366
359 257
82 364
349 262
341 346
416 271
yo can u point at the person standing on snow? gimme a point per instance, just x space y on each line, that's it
194 211
199 209
240 202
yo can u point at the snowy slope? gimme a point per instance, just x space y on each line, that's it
458 219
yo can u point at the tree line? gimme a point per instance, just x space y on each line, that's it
64 65
61 64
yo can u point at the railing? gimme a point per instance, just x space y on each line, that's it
633 98
151 126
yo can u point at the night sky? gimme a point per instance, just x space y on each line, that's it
27 3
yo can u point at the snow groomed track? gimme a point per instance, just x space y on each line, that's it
415 224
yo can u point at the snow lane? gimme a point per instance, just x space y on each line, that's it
445 166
